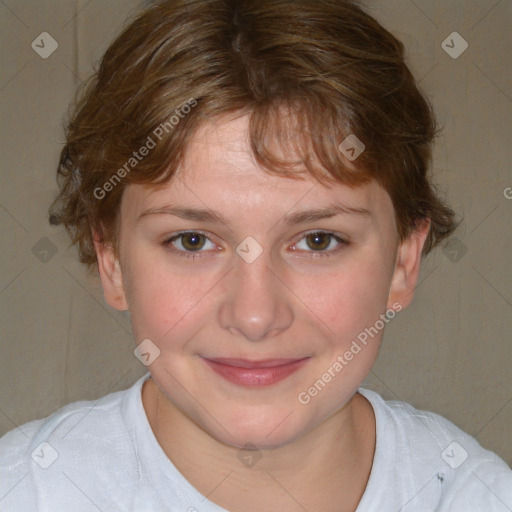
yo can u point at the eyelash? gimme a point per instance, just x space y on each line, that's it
197 254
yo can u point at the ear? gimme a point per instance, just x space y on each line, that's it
407 266
111 275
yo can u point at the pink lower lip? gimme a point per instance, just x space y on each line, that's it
255 375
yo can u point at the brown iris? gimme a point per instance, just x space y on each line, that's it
193 241
318 241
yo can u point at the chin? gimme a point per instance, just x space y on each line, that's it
253 438
261 429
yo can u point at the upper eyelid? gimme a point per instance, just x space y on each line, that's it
188 232
176 236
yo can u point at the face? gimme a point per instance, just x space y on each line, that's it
253 287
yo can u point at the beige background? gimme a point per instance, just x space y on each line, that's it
450 352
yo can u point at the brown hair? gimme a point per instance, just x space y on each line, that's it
333 68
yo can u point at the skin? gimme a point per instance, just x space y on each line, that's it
291 302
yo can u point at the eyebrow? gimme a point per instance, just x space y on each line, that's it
205 214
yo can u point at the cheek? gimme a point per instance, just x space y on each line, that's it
163 302
348 300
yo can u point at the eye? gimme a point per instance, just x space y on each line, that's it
320 242
190 241
191 244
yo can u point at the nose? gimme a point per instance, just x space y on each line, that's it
257 303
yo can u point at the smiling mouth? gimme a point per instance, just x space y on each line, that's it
249 373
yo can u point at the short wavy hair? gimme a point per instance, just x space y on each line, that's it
327 63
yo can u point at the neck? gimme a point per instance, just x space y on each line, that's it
328 463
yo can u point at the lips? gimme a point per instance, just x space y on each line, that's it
254 373
246 363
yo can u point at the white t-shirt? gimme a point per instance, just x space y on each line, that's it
102 455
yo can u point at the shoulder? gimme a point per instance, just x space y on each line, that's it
62 423
85 434
432 447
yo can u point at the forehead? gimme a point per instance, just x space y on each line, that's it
219 172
